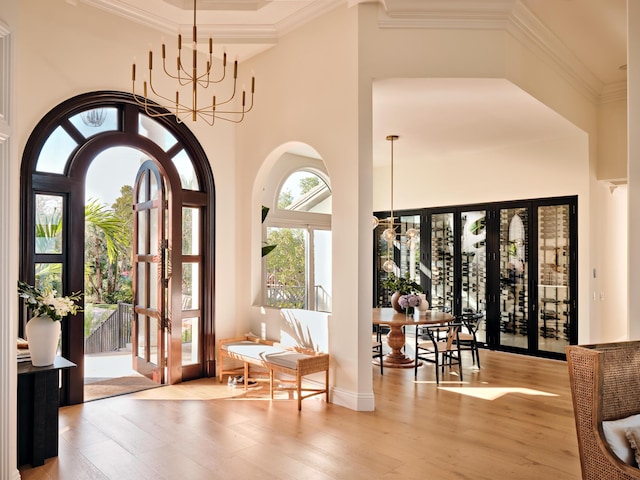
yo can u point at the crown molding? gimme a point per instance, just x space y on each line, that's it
142 17
264 34
509 15
249 5
444 14
260 33
305 15
525 26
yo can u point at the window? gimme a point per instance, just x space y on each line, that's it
297 272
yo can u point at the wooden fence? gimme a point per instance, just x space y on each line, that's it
113 333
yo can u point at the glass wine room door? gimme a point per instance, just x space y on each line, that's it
538 272
511 266
555 286
514 277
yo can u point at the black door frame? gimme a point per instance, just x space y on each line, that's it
493 265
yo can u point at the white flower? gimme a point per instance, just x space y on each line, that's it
46 302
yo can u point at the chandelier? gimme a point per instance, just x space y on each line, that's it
389 234
192 81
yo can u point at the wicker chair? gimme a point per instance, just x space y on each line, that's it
605 385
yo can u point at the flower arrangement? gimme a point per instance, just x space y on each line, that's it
409 300
45 302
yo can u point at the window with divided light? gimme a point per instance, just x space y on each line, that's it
297 272
108 127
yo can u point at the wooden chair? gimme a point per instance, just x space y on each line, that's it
433 349
467 337
605 385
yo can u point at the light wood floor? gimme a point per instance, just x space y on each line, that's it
511 420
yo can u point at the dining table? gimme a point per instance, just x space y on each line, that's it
397 322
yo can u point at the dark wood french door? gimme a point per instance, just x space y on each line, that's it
150 273
174 338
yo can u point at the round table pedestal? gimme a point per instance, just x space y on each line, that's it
396 358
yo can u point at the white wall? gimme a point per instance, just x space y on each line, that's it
612 139
308 95
608 299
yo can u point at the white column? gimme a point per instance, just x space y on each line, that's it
633 119
9 179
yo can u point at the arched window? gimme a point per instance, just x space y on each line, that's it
171 196
297 272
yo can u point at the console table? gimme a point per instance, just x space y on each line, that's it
38 401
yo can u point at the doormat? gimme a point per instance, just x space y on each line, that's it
111 387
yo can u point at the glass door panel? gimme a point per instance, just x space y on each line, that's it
150 285
401 256
407 247
190 341
322 286
190 338
514 277
48 232
285 268
474 265
191 288
442 262
553 278
383 257
191 231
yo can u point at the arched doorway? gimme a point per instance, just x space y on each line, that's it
55 163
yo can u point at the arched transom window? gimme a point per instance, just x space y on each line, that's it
297 234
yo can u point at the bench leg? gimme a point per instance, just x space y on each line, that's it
299 382
271 383
326 385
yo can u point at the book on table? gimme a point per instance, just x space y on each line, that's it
23 354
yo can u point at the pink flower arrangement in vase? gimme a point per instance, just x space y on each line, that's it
409 302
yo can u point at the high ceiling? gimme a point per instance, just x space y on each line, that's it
592 30
586 38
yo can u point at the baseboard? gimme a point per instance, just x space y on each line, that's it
360 402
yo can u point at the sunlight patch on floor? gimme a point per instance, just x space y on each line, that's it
442 382
207 390
493 393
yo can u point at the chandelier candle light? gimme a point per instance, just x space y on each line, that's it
192 80
389 234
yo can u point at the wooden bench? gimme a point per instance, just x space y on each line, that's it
275 358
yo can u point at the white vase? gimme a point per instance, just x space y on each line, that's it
42 335
424 304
